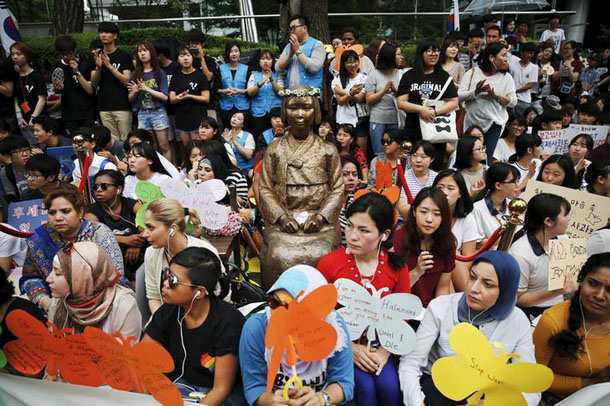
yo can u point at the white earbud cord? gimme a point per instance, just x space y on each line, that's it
180 320
112 213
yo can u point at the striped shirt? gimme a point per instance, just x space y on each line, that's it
414 185
240 182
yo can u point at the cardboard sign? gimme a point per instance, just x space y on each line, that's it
597 132
201 197
27 215
554 142
476 368
300 329
66 157
589 212
383 318
566 256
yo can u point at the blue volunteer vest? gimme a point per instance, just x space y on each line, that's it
240 102
266 98
305 77
242 163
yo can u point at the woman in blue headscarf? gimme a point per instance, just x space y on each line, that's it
488 304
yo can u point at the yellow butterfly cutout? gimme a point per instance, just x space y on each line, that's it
476 370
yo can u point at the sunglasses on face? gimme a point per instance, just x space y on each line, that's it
173 280
103 186
386 141
276 300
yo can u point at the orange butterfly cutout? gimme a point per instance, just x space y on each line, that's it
125 366
384 185
59 350
342 48
300 329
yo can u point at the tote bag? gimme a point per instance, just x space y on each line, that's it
443 128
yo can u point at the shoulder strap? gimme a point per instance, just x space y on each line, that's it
471 76
447 83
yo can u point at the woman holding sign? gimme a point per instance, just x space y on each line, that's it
572 338
488 304
144 165
366 259
547 217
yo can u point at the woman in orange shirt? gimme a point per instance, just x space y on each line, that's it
573 337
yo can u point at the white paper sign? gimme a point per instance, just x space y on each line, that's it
597 132
566 256
554 142
201 197
589 212
385 317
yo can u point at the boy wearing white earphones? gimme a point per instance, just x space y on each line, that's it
200 331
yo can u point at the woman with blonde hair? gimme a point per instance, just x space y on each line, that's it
164 229
86 293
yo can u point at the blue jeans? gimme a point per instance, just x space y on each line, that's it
491 140
372 390
376 131
235 398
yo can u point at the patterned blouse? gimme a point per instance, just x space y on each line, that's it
46 242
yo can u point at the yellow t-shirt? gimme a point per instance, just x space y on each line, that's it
568 372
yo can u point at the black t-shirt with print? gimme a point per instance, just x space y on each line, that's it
218 335
28 88
189 112
419 88
76 104
112 95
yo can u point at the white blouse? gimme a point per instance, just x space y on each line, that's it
514 333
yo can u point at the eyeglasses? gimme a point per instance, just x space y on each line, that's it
431 51
22 151
103 186
33 176
294 27
519 126
172 279
482 149
386 141
513 181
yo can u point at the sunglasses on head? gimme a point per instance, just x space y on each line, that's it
103 186
172 279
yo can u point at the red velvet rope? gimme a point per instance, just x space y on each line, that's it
488 244
401 175
13 232
85 175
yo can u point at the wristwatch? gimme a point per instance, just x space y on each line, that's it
326 397
299 52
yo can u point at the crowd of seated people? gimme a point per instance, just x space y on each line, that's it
194 119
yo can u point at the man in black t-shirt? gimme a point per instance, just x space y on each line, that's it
7 107
112 73
77 92
195 40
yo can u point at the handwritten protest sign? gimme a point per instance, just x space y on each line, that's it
566 256
476 371
201 197
27 215
554 142
597 132
589 212
300 329
384 318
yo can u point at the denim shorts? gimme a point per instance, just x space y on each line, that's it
156 120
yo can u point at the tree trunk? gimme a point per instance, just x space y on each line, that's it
317 12
68 16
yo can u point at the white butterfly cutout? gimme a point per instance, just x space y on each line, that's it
201 197
385 318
